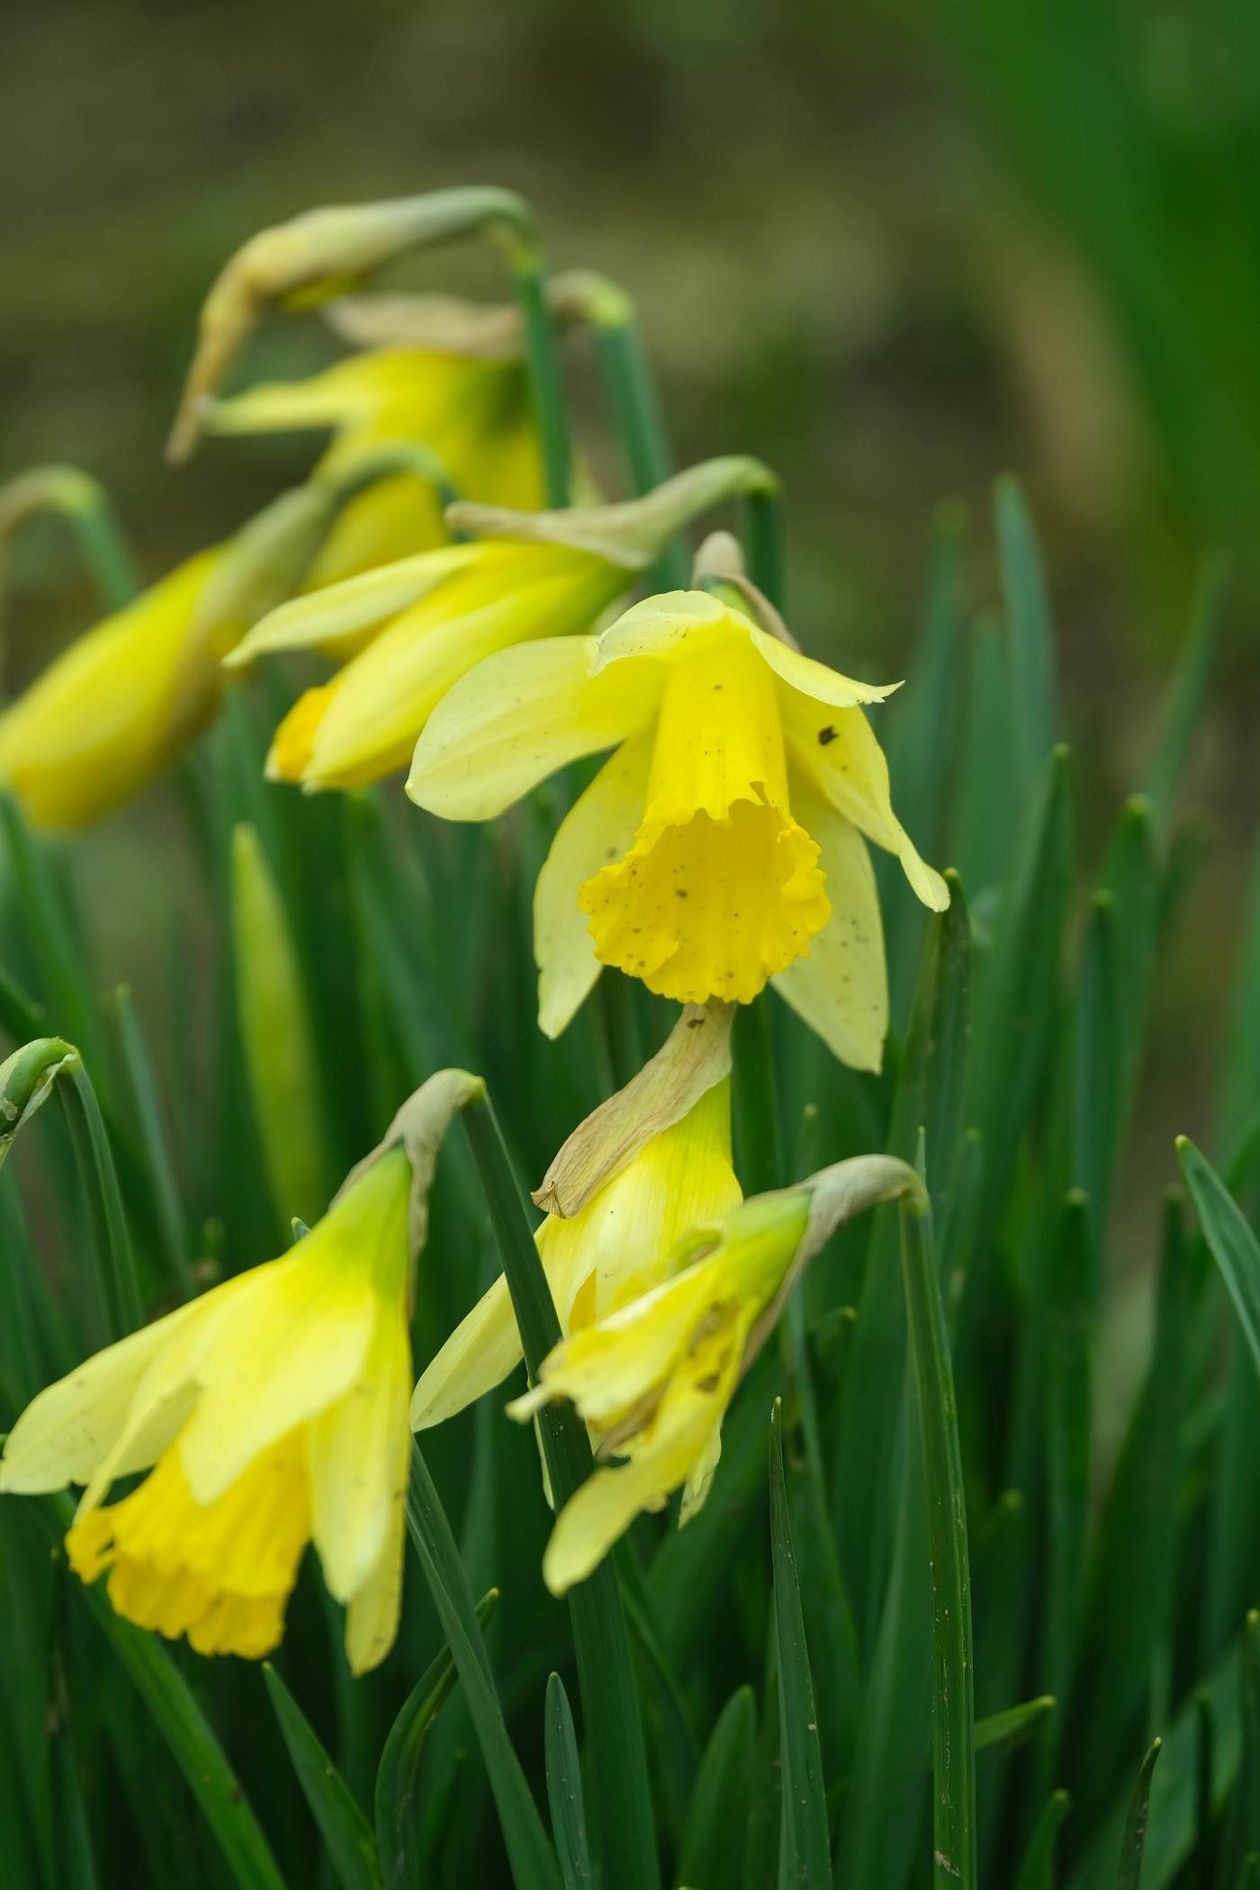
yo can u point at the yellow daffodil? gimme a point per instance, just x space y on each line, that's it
654 1377
416 626
722 845
114 709
621 1192
473 413
269 1413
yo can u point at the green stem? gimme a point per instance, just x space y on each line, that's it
120 1289
640 421
764 546
88 511
546 385
53 945
146 1110
620 1027
953 1706
758 1138
614 1728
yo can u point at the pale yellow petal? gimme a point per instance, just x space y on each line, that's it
353 1457
484 1347
840 754
277 1355
374 1610
840 987
700 1477
598 829
663 627
518 717
339 610
66 1432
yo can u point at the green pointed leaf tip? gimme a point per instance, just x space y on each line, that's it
348 1838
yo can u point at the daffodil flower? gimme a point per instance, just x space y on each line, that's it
621 1192
269 1413
412 629
116 708
473 413
722 845
654 1377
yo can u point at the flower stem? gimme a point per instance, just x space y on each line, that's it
120 1288
88 511
758 1140
546 386
763 543
610 1701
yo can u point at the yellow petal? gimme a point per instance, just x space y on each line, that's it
295 1342
374 1610
518 717
353 1457
330 616
668 626
293 743
599 828
484 1347
66 1431
220 1573
840 987
840 754
721 888
107 715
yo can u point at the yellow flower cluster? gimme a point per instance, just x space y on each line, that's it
720 846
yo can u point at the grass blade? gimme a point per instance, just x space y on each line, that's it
529 1851
1133 1843
713 1842
804 1849
1037 1870
347 1835
953 1719
1233 1245
564 1788
624 1824
397 1775
1008 1728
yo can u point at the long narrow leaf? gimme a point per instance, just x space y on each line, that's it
804 1853
564 1788
347 1834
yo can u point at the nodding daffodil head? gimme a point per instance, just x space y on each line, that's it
654 1377
472 413
723 843
118 706
416 627
648 1164
269 1413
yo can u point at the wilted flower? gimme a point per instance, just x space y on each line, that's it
653 1378
651 1162
722 845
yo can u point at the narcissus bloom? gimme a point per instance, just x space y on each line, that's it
654 1377
429 618
722 845
270 1412
120 704
473 413
411 629
639 1192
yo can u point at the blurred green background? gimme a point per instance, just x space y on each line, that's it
892 249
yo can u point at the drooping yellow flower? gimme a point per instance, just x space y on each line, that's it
411 629
654 1377
122 701
634 1193
270 1413
473 413
464 602
722 845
